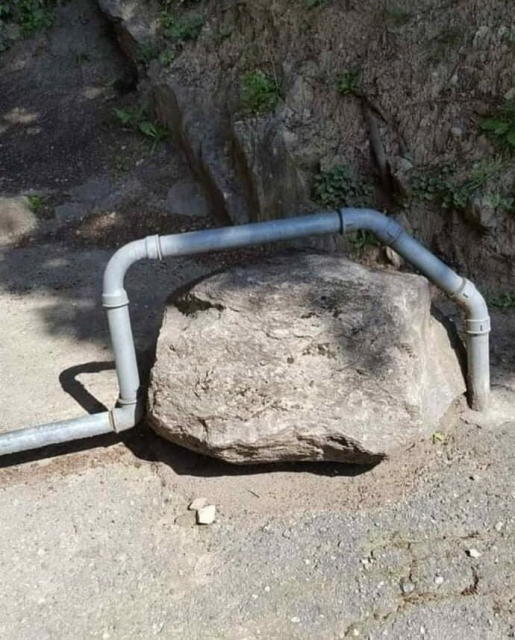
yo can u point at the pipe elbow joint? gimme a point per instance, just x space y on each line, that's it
385 229
126 416
478 319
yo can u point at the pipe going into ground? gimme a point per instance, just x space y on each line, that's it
130 406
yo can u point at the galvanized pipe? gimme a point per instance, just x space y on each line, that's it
130 404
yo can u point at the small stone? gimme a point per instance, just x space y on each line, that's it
295 619
499 526
197 504
457 132
206 515
439 580
407 587
267 588
473 553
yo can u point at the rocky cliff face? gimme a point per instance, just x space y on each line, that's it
284 107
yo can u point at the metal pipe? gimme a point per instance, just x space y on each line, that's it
130 404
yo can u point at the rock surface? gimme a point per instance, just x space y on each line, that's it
425 75
302 357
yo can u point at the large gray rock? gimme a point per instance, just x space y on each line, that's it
302 357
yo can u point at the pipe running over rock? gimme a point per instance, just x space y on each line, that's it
130 405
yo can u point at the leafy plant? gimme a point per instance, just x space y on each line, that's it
259 92
339 187
155 131
183 28
29 15
349 82
442 187
501 125
147 52
364 239
37 203
137 119
167 57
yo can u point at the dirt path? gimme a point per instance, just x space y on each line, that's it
95 539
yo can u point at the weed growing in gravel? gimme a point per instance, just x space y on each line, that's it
259 92
339 187
501 125
348 83
138 119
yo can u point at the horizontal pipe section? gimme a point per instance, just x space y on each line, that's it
55 433
250 234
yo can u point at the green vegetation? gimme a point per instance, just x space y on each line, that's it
349 82
37 203
166 57
182 28
504 301
339 187
451 194
137 119
259 92
363 239
501 125
28 16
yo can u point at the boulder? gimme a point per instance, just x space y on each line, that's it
306 356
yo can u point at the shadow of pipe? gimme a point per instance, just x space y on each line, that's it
73 387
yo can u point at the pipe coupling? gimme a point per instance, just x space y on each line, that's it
392 232
477 327
153 248
115 300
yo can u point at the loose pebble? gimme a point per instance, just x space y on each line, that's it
407 587
206 515
439 580
197 504
473 553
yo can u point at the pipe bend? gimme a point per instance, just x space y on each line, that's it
386 229
113 290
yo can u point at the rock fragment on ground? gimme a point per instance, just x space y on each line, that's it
197 504
206 515
302 357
